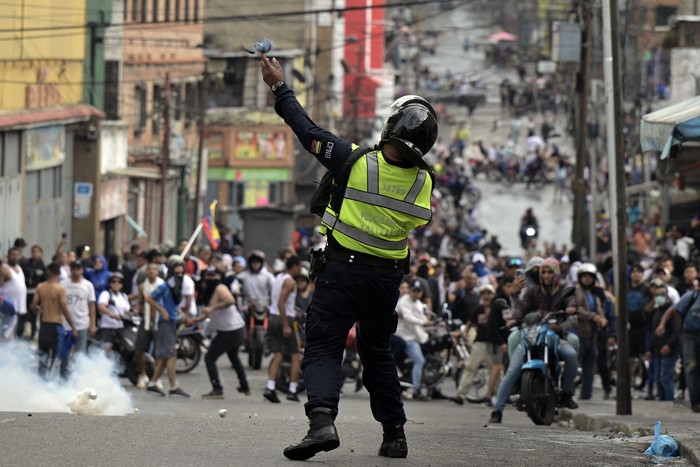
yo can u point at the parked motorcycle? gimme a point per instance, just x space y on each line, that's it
190 341
126 346
445 354
540 390
639 369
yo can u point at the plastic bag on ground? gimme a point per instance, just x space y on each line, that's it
663 445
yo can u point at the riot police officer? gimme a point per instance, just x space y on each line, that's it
387 194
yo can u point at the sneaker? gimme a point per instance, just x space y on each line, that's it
679 395
696 407
242 390
178 392
650 397
142 382
457 400
214 394
154 388
496 417
438 395
159 384
487 403
292 396
407 395
419 396
271 395
607 395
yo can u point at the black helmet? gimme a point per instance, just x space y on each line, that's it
412 128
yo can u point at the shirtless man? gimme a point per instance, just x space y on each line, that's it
51 304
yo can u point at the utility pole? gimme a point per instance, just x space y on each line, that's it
203 96
579 184
613 93
165 156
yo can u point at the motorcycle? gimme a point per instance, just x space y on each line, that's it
256 333
190 341
352 366
459 361
540 391
445 353
639 369
125 348
528 233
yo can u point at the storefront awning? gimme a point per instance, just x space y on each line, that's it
671 126
63 115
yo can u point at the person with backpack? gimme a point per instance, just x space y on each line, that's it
380 195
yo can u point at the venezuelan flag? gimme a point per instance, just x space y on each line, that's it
209 225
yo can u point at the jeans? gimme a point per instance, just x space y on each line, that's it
67 342
414 353
691 352
665 370
566 353
345 294
587 358
225 342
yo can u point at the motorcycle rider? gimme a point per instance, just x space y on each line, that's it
591 320
549 296
529 220
220 307
256 283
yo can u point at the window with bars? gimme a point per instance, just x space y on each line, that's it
157 107
140 107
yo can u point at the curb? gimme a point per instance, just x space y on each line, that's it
583 422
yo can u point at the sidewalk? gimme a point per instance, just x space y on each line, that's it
676 420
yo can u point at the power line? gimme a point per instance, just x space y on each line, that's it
244 17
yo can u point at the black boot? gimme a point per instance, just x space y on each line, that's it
567 400
394 443
322 436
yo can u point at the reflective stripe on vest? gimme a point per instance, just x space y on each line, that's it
374 200
367 239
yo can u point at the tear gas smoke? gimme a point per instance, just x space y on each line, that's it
91 389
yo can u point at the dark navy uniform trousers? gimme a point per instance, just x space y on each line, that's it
346 293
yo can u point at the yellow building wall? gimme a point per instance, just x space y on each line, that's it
42 53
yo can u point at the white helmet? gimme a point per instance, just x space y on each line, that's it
587 268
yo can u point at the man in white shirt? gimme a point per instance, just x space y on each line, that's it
147 329
12 283
80 297
411 328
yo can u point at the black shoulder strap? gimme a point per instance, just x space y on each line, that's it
341 182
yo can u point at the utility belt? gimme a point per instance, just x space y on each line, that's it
321 257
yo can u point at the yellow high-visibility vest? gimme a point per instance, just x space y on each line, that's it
382 204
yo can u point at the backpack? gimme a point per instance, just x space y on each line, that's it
329 185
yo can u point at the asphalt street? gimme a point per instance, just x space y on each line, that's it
176 431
